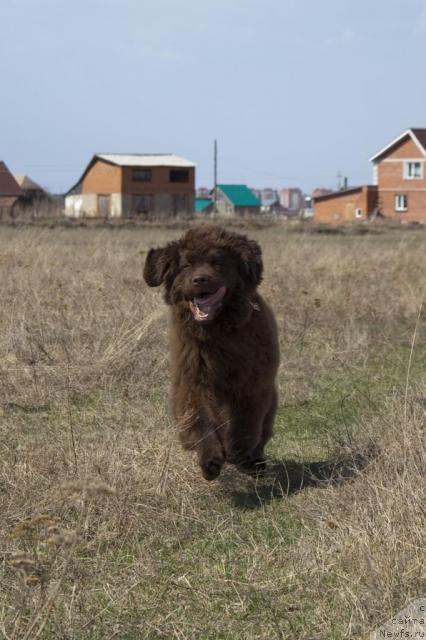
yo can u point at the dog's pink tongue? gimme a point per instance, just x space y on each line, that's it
205 303
206 307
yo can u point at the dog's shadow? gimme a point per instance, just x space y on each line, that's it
283 478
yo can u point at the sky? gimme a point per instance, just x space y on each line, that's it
294 91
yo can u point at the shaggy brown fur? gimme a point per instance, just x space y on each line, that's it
224 346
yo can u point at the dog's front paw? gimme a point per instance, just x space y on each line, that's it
252 467
211 468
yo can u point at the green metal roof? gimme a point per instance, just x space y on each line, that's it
201 204
240 195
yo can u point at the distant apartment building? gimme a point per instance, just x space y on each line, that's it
292 199
203 192
130 185
268 197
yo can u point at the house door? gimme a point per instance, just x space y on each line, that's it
350 211
180 204
104 206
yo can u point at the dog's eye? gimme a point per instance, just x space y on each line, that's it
218 260
185 266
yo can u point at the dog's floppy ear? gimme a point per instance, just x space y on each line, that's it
160 264
254 263
251 255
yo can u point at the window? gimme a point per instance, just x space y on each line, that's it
141 175
401 202
142 204
358 213
179 175
413 170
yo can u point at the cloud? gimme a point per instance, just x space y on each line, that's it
167 33
345 37
421 24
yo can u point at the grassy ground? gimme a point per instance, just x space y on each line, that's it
107 528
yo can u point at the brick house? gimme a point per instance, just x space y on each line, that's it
348 205
398 190
10 191
123 185
399 173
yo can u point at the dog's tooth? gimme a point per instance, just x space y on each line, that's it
198 313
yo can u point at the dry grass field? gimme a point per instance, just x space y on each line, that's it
107 529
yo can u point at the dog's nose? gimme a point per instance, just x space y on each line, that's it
199 280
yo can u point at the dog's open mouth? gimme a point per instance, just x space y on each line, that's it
205 306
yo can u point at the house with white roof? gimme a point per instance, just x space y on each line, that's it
132 185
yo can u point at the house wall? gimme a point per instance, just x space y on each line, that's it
247 211
161 189
416 211
341 206
405 148
391 181
85 205
163 203
104 178
223 205
6 204
160 182
79 206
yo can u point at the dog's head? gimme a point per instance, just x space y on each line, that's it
208 272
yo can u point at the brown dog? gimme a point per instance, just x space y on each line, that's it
224 346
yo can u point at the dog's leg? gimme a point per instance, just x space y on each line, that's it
267 427
202 436
211 455
254 464
201 426
244 445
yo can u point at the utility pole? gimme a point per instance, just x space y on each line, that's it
215 180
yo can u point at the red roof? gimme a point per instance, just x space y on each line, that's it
8 184
421 136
